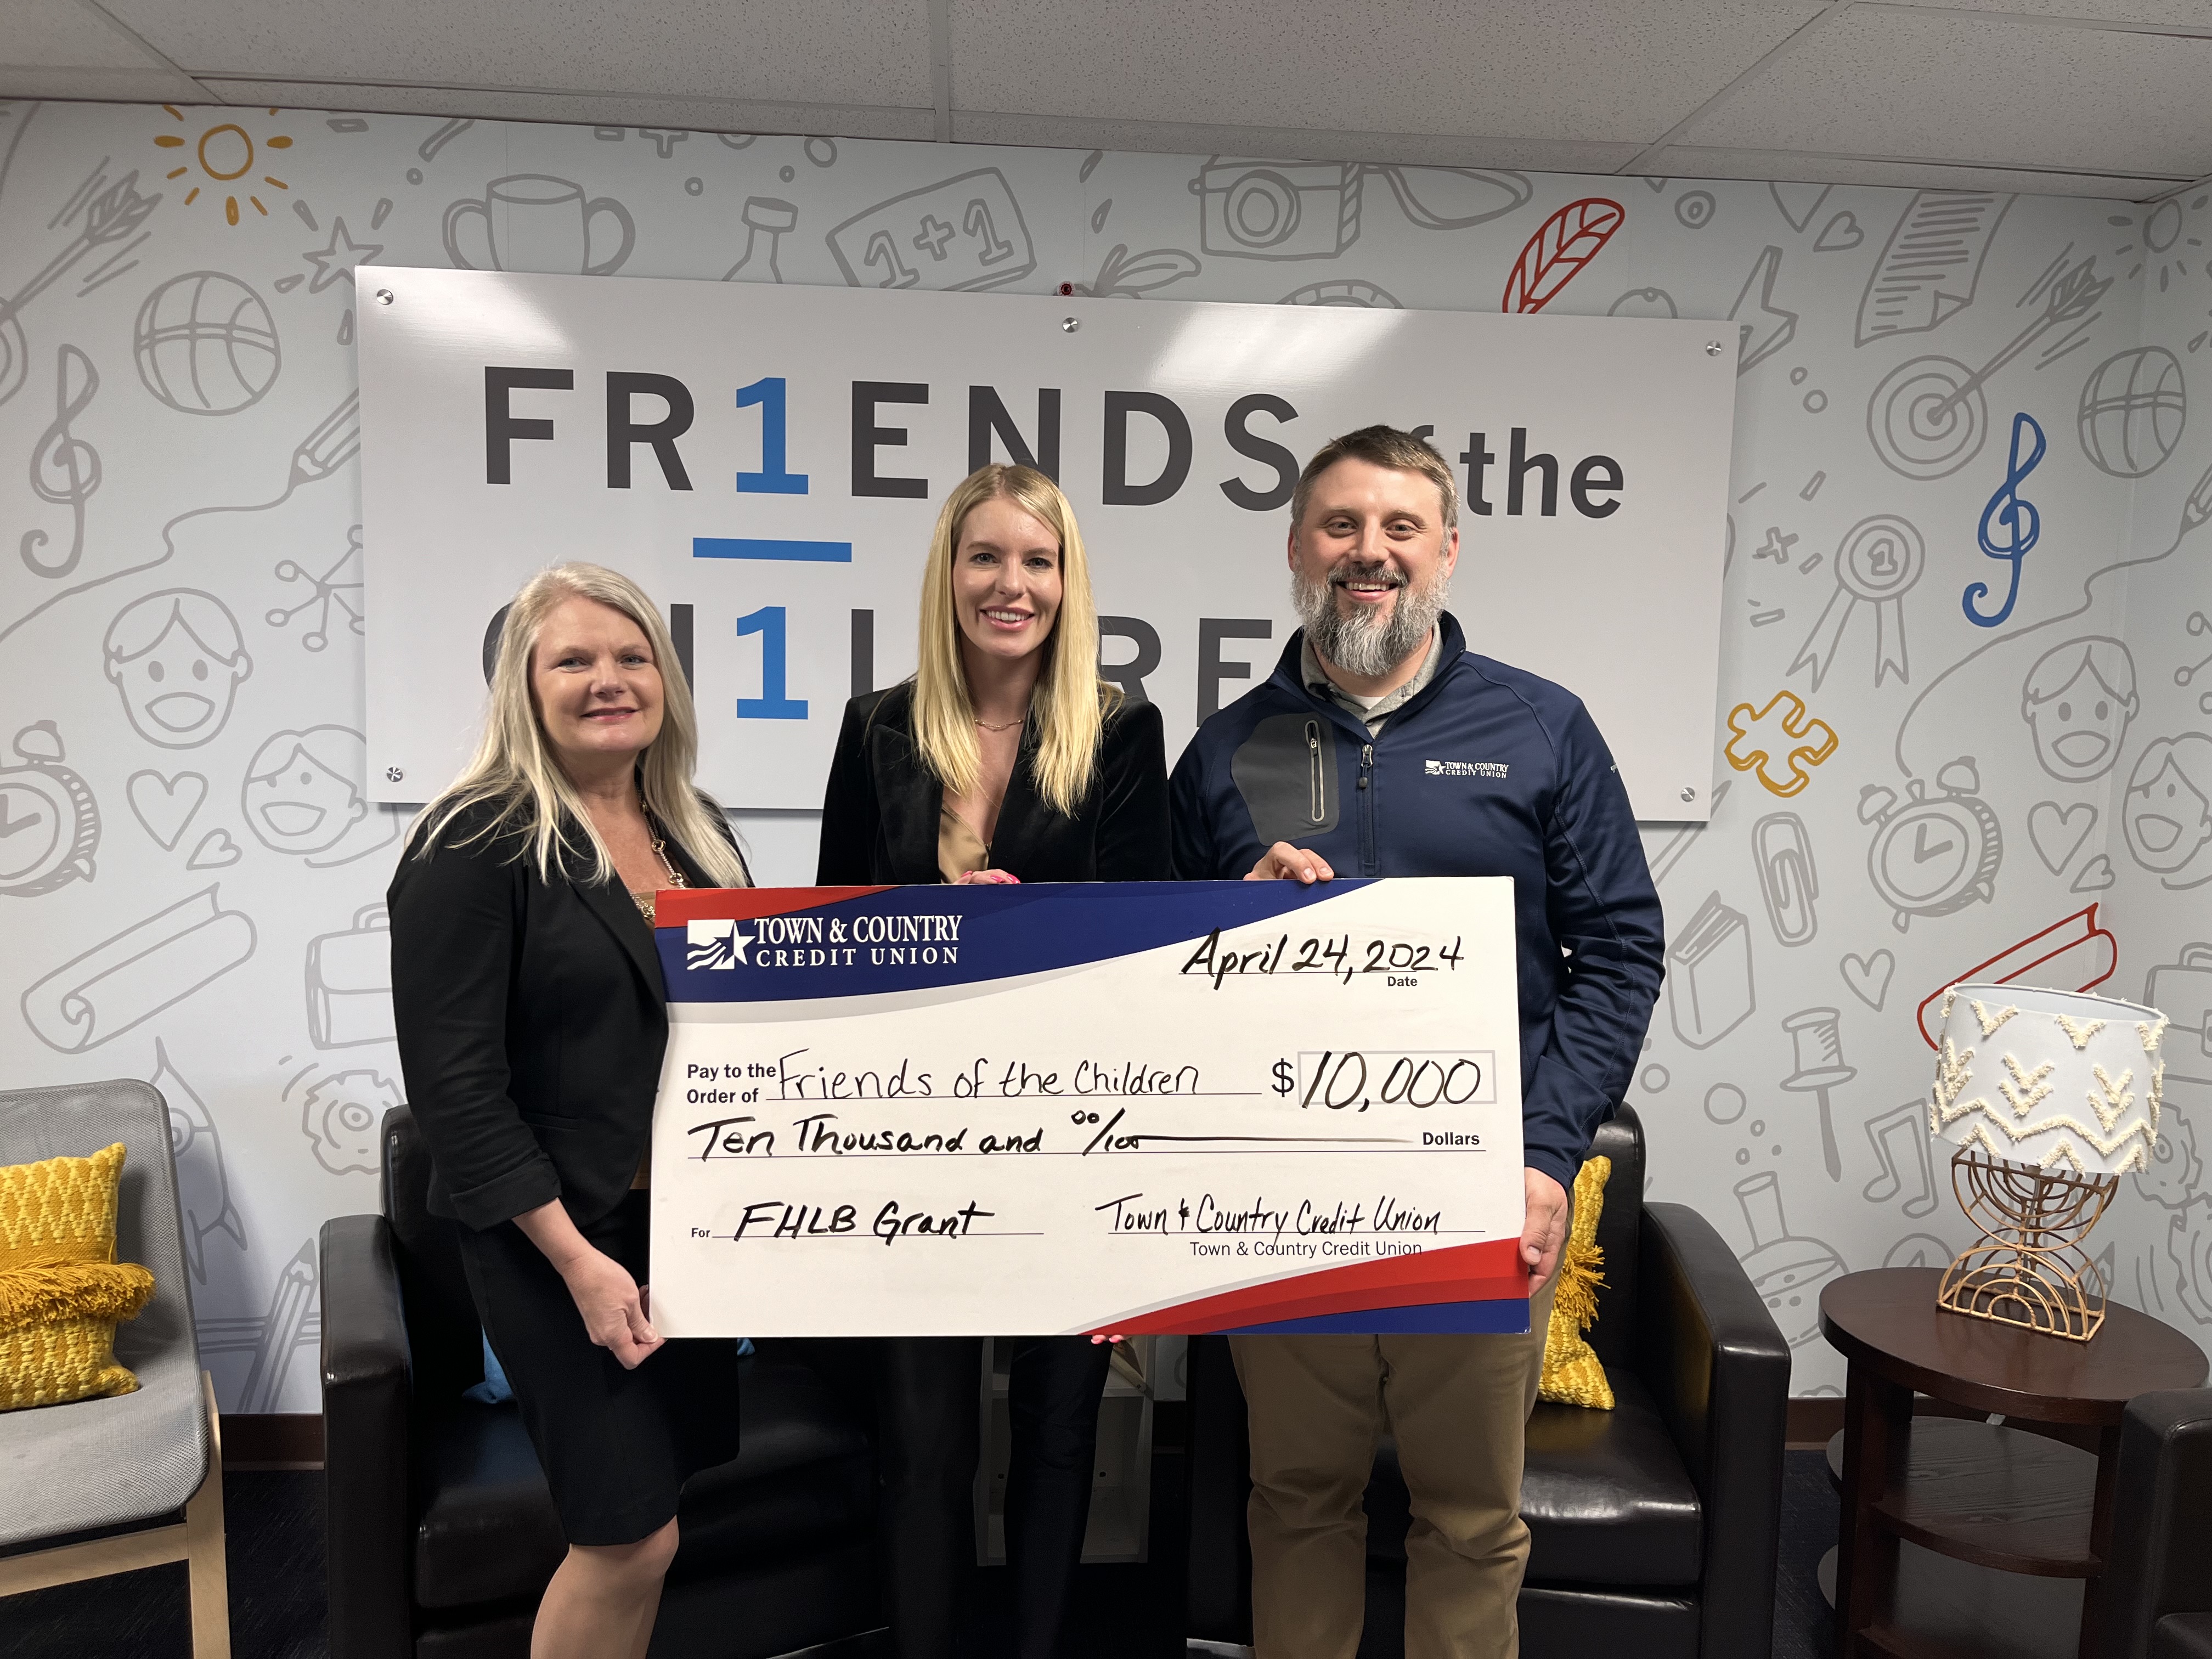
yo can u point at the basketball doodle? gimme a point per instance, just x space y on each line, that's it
206 345
2010 525
2134 406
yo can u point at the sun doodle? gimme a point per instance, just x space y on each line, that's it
225 152
2160 240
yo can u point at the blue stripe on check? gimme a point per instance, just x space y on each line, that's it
745 547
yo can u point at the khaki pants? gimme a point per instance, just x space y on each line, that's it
1458 1407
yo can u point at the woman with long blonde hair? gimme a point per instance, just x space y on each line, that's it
1005 758
530 1018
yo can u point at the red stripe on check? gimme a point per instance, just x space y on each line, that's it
674 906
1488 1272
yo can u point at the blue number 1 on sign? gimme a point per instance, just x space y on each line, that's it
768 622
775 479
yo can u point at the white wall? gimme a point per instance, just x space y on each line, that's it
212 445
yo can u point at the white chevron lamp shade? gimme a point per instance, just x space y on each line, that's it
2060 1080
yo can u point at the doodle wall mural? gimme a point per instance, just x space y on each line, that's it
1965 720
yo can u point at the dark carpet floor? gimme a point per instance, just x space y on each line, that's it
277 1606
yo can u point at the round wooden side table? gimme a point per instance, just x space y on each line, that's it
1993 1498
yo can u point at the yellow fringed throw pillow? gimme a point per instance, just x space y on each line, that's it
62 1291
1573 1375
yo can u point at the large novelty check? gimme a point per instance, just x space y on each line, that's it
1146 1107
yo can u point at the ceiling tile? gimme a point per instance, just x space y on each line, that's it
1686 162
1602 71
1193 138
1886 82
60 33
677 114
133 86
838 51
2182 14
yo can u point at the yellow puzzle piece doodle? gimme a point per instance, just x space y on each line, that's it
1779 742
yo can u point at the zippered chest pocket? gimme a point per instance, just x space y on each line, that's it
1287 773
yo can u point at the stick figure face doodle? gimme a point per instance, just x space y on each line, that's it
299 794
177 659
2168 812
2078 699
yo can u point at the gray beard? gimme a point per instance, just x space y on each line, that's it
1359 643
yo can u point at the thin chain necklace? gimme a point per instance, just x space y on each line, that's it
1008 727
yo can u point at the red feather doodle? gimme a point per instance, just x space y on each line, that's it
1562 246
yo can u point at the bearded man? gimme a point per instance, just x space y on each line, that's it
1383 746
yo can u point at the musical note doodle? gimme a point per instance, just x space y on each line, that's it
64 469
1900 1143
2010 525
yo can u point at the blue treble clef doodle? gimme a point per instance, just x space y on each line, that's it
2010 525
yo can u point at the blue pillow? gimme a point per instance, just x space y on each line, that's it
494 1390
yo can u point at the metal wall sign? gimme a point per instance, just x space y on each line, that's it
766 461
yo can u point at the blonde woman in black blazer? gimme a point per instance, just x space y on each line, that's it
531 1017
1005 758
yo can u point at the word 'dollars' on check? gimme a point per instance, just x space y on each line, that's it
1144 1107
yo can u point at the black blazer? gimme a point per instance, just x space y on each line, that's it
532 1016
880 817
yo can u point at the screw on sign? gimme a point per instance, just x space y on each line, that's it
1562 246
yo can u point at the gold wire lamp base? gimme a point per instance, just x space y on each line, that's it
2030 1268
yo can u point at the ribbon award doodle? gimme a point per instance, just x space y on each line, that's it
1879 561
2010 525
64 469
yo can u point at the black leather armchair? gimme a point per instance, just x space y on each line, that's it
2158 1590
442 1533
1654 1525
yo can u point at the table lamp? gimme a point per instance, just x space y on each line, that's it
2048 1098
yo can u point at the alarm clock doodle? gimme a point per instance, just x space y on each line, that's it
1936 853
49 821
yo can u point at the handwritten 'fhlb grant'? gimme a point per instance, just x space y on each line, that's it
1164 1107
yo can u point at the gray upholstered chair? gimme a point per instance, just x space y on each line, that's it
135 1480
